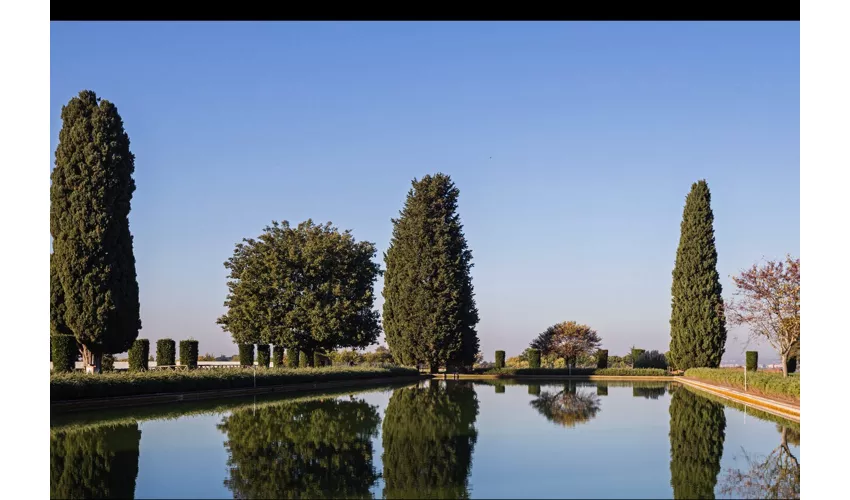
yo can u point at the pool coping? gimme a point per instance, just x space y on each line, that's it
767 405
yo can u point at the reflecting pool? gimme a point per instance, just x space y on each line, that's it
435 439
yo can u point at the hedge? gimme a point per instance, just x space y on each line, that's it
165 352
64 352
534 358
277 356
138 355
303 361
246 354
107 363
651 359
74 386
610 372
602 359
291 358
635 355
500 359
189 353
263 355
752 361
766 383
792 364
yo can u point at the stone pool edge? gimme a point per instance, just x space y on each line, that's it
74 405
771 406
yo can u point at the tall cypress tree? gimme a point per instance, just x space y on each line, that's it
90 194
429 311
697 322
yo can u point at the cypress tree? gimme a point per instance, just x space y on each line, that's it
429 310
697 322
90 193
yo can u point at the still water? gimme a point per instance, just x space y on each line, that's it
437 439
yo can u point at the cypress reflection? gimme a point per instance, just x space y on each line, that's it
697 433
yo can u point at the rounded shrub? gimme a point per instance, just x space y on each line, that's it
292 358
602 359
246 354
189 353
63 350
277 356
165 352
791 364
635 355
500 388
137 356
752 361
263 355
500 359
534 358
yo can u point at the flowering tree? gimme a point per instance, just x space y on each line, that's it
769 304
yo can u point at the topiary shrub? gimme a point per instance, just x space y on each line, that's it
602 358
138 354
63 350
303 360
189 354
263 355
500 359
500 388
246 354
107 363
292 358
635 355
651 359
277 356
791 364
752 361
165 352
534 358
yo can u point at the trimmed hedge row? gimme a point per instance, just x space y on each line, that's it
189 353
277 356
246 354
64 351
291 358
263 355
138 355
602 359
612 372
74 386
769 384
165 353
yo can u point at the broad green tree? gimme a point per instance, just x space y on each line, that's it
697 322
429 436
312 449
697 434
429 310
567 340
95 462
308 288
90 193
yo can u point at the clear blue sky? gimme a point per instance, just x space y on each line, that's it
573 146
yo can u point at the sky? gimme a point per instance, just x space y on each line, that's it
573 146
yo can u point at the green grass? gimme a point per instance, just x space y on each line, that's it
768 384
609 372
75 386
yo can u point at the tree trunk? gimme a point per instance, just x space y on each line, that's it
784 364
91 359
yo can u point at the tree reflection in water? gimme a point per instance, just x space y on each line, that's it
312 449
697 433
95 462
429 436
568 407
776 476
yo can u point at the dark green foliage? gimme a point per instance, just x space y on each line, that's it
500 359
308 288
64 352
429 310
601 389
303 359
311 449
766 383
93 269
534 358
246 354
534 389
291 357
581 372
320 359
792 364
697 322
669 358
67 386
602 358
277 356
189 353
635 355
99 462
108 363
697 433
137 356
651 359
429 437
752 361
500 388
649 392
166 354
263 355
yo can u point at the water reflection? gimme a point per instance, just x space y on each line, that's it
311 449
649 391
569 406
95 462
775 476
428 436
697 433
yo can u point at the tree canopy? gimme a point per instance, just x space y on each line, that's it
567 340
307 288
429 310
